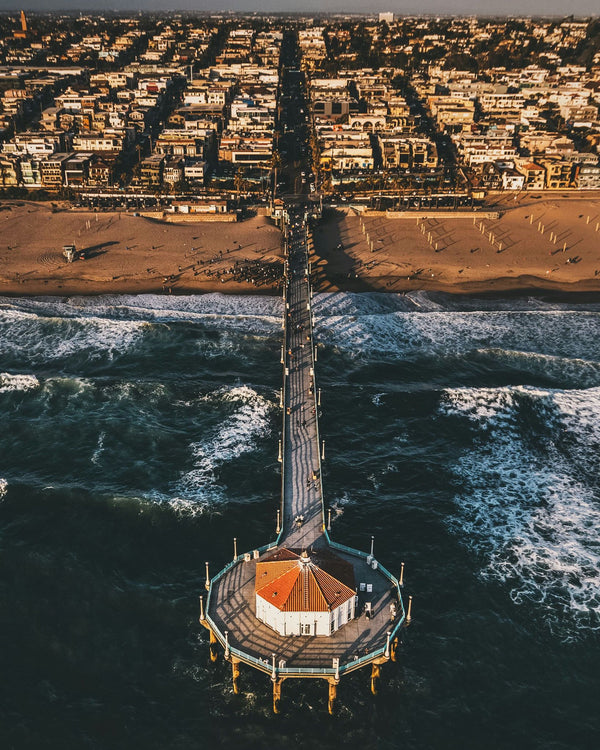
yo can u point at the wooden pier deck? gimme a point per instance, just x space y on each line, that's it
301 461
231 604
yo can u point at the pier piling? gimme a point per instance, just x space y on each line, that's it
213 643
235 675
375 677
333 683
277 683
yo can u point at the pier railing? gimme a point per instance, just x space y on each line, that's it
284 395
314 380
265 664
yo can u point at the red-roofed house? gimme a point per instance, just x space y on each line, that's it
302 594
535 175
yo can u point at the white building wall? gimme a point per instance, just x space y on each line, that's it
304 623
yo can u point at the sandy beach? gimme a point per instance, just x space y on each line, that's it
549 243
127 253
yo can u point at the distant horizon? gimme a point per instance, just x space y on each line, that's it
537 8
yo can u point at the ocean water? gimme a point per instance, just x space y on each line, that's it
138 436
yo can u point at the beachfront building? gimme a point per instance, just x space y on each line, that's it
151 171
588 177
413 154
100 171
173 171
10 174
200 206
52 170
559 173
31 175
534 174
304 592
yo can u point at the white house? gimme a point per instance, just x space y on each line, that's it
301 593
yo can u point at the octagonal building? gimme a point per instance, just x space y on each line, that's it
300 592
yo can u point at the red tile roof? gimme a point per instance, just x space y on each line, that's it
300 583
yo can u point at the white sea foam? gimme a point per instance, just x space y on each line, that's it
99 449
17 382
524 507
3 488
373 329
42 337
256 314
198 489
210 304
351 303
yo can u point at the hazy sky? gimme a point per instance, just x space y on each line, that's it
487 7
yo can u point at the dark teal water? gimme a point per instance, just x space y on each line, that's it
139 435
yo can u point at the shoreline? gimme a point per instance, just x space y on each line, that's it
484 291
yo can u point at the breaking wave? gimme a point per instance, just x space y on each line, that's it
42 338
402 334
254 313
9 383
199 489
523 505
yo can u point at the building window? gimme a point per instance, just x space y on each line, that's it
306 629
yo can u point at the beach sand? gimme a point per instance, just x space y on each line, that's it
550 243
126 253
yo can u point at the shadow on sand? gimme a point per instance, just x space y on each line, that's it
94 250
333 267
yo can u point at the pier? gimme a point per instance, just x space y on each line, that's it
364 628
